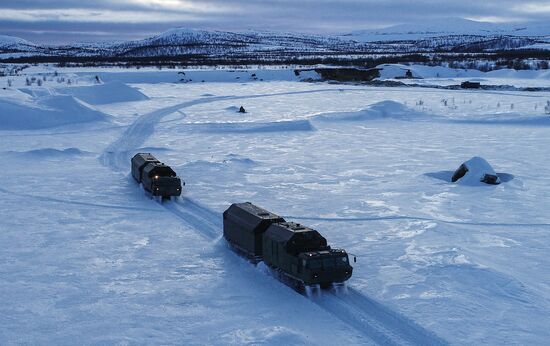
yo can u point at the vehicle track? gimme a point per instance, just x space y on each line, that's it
415 218
366 316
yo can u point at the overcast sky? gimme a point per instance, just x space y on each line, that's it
62 21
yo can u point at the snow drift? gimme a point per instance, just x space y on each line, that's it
250 127
474 172
47 153
45 112
110 92
379 110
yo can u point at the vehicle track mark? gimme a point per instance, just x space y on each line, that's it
415 218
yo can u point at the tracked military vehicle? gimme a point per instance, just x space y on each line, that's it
299 255
156 177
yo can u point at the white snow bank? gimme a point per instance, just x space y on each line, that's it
477 167
379 110
392 71
251 127
48 153
48 111
110 92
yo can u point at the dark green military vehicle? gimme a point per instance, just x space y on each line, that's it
156 177
298 253
244 225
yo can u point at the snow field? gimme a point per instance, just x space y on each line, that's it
90 259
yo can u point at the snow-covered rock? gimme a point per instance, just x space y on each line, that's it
476 171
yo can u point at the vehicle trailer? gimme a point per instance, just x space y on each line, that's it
244 225
139 161
156 177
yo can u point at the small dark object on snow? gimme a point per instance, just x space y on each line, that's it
299 255
408 74
242 110
459 173
97 79
490 179
470 85
156 177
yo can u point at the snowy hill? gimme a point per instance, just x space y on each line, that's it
202 46
450 27
188 41
10 44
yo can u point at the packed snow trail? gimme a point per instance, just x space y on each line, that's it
366 316
414 218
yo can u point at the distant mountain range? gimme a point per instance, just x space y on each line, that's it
443 36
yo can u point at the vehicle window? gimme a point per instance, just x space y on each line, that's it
314 264
328 262
342 261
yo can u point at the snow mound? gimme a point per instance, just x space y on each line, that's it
252 127
393 71
380 110
36 91
239 160
49 153
45 112
476 171
110 92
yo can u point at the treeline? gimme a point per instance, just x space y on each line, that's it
516 59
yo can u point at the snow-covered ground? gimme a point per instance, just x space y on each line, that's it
88 258
444 76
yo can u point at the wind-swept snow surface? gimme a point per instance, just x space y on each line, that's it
105 93
45 112
89 258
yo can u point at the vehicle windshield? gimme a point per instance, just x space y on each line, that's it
314 264
327 262
342 261
162 172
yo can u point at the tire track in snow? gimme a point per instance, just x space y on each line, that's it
74 202
381 324
415 218
369 318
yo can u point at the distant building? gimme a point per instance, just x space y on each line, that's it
470 85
